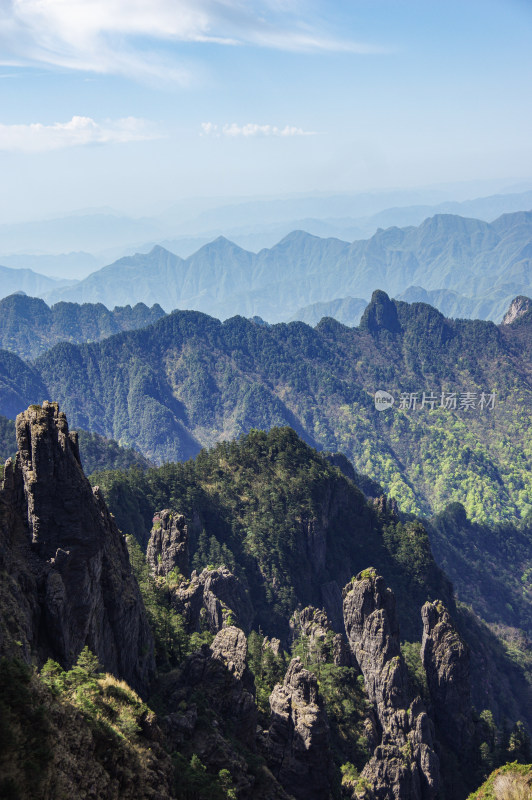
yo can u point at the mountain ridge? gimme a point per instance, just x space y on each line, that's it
28 326
190 380
472 257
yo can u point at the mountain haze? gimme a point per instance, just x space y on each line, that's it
27 281
471 257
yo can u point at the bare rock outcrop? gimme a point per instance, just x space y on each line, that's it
296 745
446 662
519 306
220 676
404 765
212 600
168 545
314 624
69 580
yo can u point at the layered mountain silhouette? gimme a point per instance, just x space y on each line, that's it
489 262
28 326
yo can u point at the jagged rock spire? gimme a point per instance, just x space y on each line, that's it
446 661
69 564
404 765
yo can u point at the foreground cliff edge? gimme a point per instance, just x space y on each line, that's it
69 573
237 716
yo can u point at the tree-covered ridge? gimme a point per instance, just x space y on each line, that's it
510 782
272 508
20 385
292 527
277 512
29 327
292 524
189 381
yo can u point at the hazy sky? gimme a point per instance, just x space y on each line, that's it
138 103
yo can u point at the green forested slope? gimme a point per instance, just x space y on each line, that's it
28 326
189 381
490 565
294 529
20 385
286 518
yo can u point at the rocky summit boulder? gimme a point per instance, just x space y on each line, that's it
519 306
70 582
213 600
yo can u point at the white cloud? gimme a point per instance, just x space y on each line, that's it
251 129
36 137
123 36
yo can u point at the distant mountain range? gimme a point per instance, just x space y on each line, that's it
188 381
28 326
26 280
54 246
347 310
465 267
489 263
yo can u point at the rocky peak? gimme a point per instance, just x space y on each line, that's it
168 545
230 649
404 764
314 624
380 314
386 507
213 599
220 672
71 582
296 746
446 661
519 306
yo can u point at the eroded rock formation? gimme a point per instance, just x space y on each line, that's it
213 600
168 544
519 306
220 675
296 745
404 765
66 578
446 661
314 624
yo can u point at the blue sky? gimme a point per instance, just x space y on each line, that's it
136 104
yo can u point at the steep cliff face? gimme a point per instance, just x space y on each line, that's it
168 544
519 306
314 624
446 662
296 745
211 703
445 659
64 564
212 599
404 765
